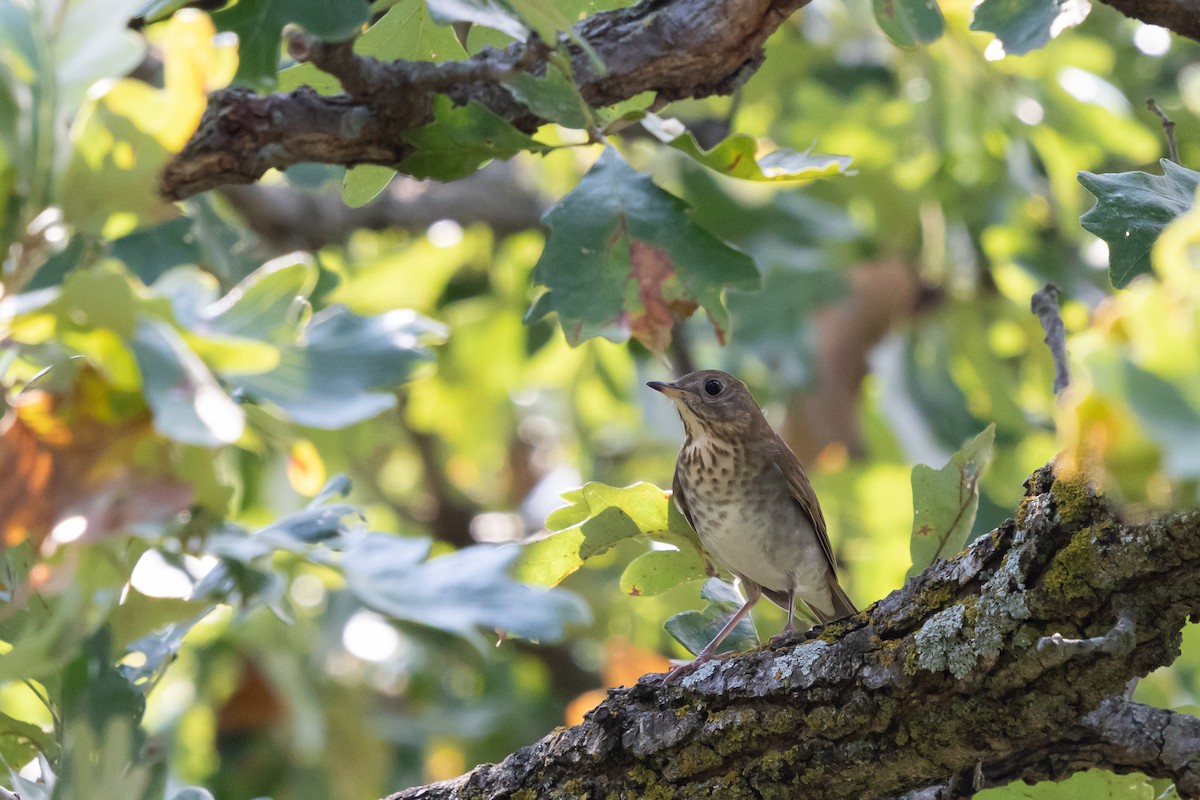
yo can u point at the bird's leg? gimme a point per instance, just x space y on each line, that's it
790 628
753 592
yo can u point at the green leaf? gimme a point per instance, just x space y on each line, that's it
909 23
117 153
188 404
695 629
460 140
1168 417
94 688
554 97
100 297
405 32
1024 25
267 305
1090 785
596 518
139 615
21 741
150 252
624 259
345 366
158 649
364 183
661 570
496 14
259 23
737 155
1131 210
90 41
945 501
459 592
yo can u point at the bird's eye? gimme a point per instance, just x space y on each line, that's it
713 388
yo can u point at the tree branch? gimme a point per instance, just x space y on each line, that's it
1179 16
675 48
937 689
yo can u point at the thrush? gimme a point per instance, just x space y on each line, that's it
745 493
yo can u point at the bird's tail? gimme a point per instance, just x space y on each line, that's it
842 605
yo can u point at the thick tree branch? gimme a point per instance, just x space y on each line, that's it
1179 16
675 48
936 690
287 218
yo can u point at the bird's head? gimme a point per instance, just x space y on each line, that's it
711 401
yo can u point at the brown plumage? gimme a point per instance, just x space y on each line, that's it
750 501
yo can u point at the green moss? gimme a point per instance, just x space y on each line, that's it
575 788
814 776
822 720
692 760
524 794
1075 502
1067 575
911 661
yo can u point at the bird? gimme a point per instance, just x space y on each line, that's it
750 501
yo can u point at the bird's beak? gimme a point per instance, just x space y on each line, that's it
669 389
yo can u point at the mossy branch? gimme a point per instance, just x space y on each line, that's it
940 687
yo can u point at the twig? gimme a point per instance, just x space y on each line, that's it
1119 640
1168 128
1045 305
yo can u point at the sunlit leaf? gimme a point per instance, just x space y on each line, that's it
624 259
100 297
21 741
258 24
79 479
596 518
305 468
496 14
737 155
267 305
661 570
406 31
1024 25
188 403
89 42
909 23
695 629
1093 784
945 501
459 592
364 183
1131 210
341 371
460 140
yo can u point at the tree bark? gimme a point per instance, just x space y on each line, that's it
673 48
1010 661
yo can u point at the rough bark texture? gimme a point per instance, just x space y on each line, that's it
1010 661
675 48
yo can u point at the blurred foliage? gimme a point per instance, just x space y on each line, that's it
188 600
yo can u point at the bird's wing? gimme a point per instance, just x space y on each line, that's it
802 492
680 500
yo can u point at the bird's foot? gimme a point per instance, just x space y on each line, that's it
686 668
787 633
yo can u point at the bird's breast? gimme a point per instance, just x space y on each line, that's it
744 514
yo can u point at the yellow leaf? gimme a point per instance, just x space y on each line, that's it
306 469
